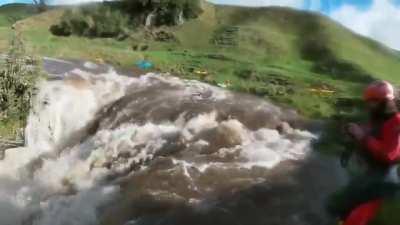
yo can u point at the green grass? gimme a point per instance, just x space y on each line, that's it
4 38
11 13
11 128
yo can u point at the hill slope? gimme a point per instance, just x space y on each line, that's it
298 58
9 14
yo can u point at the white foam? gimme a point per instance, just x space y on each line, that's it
90 65
57 60
65 186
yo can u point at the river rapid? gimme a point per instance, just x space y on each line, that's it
106 147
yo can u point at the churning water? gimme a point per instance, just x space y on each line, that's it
102 148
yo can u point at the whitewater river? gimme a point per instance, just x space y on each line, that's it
109 149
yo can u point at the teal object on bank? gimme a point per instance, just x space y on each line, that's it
144 65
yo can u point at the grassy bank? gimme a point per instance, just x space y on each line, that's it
18 75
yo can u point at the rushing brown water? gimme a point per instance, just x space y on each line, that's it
153 149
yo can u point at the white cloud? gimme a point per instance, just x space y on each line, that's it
290 3
380 22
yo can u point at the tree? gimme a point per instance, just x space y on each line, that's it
163 12
41 5
98 21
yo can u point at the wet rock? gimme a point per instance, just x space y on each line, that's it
174 143
285 128
227 135
156 201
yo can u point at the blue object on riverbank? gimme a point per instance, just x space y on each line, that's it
144 65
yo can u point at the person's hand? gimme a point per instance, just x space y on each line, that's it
356 131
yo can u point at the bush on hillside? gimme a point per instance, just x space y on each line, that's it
163 12
115 19
340 69
101 21
325 62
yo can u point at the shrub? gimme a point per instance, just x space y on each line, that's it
17 83
113 19
165 12
100 21
61 29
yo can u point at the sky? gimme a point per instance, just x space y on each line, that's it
377 19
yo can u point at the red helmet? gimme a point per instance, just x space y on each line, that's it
379 91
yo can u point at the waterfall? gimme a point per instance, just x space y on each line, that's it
181 19
99 142
150 19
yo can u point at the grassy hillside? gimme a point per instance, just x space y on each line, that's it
297 58
9 14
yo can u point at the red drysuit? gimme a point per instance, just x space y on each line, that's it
385 149
364 213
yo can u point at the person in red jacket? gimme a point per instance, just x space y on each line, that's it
358 203
381 138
